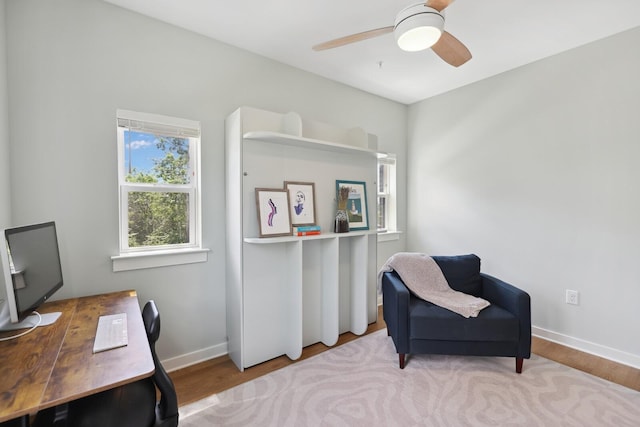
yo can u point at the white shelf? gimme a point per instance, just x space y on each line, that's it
300 141
287 239
287 292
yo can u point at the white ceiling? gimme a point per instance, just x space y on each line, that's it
501 35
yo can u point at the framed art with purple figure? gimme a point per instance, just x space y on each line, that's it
273 212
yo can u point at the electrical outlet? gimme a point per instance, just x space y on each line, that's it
572 297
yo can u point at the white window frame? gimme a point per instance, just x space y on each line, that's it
389 232
145 257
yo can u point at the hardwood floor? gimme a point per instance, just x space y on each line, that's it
213 376
594 365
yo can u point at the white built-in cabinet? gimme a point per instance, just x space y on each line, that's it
284 293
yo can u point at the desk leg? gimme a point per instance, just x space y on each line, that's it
17 422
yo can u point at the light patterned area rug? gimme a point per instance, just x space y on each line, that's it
360 384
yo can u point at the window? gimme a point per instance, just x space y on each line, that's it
386 194
158 176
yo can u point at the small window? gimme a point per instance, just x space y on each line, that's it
158 175
386 194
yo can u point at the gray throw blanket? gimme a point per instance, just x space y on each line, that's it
423 277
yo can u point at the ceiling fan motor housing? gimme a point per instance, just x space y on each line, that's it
418 27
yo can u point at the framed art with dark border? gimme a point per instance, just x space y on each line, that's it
273 212
302 202
356 203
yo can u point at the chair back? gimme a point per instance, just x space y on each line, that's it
167 408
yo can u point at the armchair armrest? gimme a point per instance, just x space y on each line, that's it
395 309
514 300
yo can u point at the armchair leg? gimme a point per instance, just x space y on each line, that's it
401 357
519 361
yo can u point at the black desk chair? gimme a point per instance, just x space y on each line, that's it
130 405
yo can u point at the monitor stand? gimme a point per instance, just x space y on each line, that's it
28 323
31 321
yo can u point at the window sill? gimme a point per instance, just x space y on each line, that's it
387 236
140 260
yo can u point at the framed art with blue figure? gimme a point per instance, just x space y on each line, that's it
352 197
273 212
302 202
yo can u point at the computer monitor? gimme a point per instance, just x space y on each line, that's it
32 273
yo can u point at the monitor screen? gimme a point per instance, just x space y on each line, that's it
31 266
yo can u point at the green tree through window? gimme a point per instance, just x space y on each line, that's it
161 218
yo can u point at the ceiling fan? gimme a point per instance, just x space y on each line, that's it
417 27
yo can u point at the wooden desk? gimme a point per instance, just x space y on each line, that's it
55 364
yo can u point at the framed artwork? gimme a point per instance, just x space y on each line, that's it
352 197
301 202
273 212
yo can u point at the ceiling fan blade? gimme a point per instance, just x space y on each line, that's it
451 50
353 38
438 5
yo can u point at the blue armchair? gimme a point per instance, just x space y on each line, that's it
417 326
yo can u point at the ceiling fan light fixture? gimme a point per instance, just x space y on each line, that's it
418 27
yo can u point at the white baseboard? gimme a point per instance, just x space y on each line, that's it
588 347
192 358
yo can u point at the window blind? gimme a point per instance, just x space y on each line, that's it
158 124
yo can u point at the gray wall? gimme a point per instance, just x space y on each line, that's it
71 64
5 218
536 171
